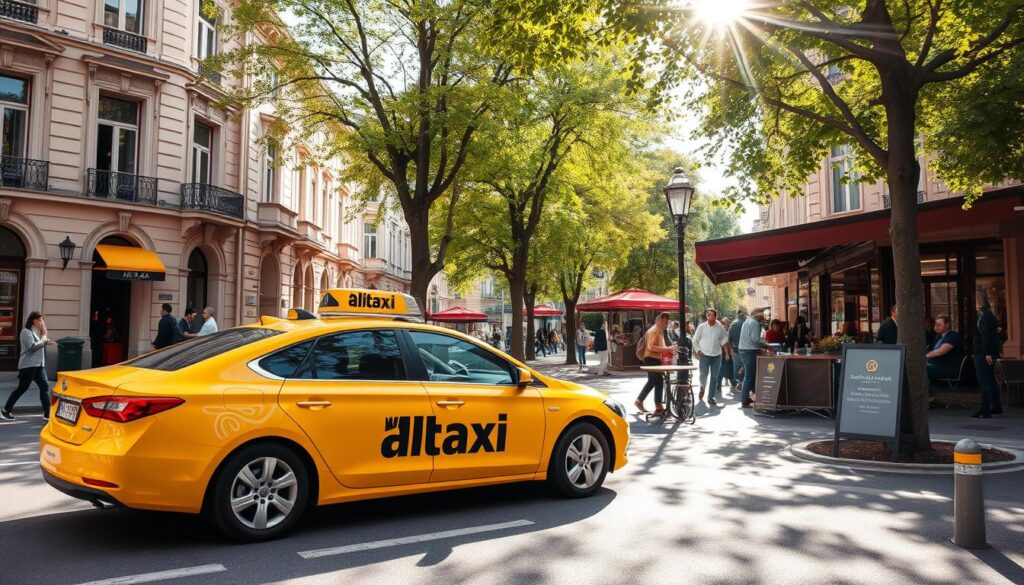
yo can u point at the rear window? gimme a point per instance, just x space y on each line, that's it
193 351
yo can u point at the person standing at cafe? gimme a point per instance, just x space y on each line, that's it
710 341
799 336
655 345
888 331
734 345
750 344
986 352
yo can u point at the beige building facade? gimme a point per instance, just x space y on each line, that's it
111 138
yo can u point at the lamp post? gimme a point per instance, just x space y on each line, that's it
67 250
679 193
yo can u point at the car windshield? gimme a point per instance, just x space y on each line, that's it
186 353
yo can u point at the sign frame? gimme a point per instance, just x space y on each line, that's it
901 387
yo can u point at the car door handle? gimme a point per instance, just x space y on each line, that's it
317 404
451 404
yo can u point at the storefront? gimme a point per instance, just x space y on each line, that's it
839 273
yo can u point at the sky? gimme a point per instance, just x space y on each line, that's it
712 174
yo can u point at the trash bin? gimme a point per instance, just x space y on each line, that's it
69 353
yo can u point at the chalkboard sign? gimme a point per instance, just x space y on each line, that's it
870 394
771 378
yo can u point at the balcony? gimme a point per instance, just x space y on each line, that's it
203 197
19 11
124 39
24 173
121 186
209 74
375 265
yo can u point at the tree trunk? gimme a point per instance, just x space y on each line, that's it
902 178
570 329
423 267
516 291
530 301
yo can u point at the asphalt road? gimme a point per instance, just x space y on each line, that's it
717 502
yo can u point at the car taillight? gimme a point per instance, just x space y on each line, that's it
127 408
53 399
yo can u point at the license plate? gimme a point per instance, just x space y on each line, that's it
68 411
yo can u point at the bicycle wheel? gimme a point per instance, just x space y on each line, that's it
682 402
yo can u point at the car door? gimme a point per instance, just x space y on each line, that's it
366 417
484 426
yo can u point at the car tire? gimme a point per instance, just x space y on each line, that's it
579 462
246 505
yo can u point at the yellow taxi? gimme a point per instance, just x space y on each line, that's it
253 425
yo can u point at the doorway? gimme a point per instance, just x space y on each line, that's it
196 287
110 311
270 287
12 273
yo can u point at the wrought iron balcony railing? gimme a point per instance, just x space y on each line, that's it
24 173
121 186
203 197
210 74
19 11
124 39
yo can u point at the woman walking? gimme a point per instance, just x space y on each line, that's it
582 339
655 345
31 365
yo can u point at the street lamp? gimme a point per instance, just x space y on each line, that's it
67 250
679 193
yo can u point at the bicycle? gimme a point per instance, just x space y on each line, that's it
679 399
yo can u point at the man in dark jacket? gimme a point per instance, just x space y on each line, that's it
888 332
185 324
166 331
986 352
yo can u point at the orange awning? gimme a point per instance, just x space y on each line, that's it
130 263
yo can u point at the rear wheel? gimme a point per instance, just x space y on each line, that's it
579 462
260 493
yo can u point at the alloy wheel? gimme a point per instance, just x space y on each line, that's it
584 461
263 493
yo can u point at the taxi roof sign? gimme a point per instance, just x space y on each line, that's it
352 302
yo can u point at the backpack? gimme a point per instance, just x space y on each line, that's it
641 347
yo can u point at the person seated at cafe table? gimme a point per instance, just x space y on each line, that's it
774 333
799 336
945 355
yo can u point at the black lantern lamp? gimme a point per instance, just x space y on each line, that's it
67 250
679 194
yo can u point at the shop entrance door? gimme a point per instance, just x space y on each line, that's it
110 313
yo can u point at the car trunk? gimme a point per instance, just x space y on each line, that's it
70 422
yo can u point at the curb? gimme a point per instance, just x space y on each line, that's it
799 450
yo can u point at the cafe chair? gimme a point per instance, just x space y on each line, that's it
1010 375
953 384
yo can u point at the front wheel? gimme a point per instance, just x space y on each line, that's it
260 493
579 462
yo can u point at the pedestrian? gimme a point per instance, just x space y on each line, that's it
750 343
944 355
655 346
888 331
539 344
710 341
734 345
601 349
673 332
209 322
726 371
31 365
185 324
582 339
496 338
799 336
774 335
166 328
986 352
553 340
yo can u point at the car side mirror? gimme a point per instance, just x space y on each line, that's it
525 378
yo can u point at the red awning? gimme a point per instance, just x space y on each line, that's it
787 249
544 311
457 315
631 299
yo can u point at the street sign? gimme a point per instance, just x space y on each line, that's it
870 394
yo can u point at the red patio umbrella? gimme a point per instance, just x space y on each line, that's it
544 311
631 299
458 315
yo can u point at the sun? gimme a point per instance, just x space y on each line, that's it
719 13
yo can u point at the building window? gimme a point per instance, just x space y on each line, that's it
275 91
202 141
117 135
270 174
123 14
369 241
845 180
207 28
14 103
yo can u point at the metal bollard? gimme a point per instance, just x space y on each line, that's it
968 501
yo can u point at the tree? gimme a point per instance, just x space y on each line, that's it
401 88
560 113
